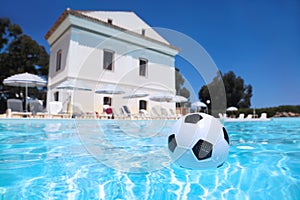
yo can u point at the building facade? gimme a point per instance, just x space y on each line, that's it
109 50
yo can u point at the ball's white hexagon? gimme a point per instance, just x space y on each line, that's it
198 141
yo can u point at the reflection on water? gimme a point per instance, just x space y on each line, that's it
67 159
122 145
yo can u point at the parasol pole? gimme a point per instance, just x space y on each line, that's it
69 105
26 93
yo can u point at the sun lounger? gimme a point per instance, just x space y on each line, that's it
173 115
264 117
127 113
55 110
249 116
15 109
78 112
164 113
155 114
118 114
108 113
144 114
241 116
104 115
37 110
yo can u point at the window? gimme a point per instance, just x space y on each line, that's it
143 67
107 101
106 105
56 96
108 57
58 60
143 105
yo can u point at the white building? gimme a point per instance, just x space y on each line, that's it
101 48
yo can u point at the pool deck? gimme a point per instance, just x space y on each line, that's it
85 117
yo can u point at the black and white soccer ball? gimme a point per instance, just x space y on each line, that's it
198 141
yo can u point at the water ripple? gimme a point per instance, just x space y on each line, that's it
46 160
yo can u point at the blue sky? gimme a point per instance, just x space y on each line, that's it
258 40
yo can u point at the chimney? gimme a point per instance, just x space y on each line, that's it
109 21
143 32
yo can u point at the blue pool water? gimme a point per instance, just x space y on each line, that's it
67 159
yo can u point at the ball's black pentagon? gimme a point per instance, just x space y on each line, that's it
225 135
193 119
202 149
172 144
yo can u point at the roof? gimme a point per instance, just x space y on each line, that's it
121 20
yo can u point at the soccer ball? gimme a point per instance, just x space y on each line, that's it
198 141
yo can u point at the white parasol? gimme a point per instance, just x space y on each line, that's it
179 99
109 89
25 80
72 84
232 108
137 94
163 97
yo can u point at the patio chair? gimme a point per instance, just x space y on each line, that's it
15 108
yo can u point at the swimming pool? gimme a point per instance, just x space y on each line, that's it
82 159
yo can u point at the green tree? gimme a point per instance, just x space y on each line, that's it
184 92
246 101
237 93
19 53
180 89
